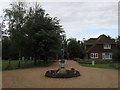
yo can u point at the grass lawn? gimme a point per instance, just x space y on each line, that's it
13 64
107 66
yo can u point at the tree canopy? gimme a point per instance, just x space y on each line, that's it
32 32
116 55
75 48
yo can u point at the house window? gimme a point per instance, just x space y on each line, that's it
107 55
94 55
107 46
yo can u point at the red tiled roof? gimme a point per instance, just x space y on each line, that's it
102 39
91 41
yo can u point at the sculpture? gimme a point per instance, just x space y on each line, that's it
62 72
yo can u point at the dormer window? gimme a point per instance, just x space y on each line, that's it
107 46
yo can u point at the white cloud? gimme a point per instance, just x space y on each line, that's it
62 0
76 16
79 15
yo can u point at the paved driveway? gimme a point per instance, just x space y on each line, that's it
34 78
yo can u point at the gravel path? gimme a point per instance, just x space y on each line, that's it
34 78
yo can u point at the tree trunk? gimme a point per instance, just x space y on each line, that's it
35 61
19 64
19 54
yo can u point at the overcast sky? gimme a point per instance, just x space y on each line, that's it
82 19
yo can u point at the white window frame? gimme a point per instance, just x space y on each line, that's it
107 46
103 56
94 55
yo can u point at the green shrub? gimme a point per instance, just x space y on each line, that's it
97 61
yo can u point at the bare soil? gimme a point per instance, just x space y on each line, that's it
34 78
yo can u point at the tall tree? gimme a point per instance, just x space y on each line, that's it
16 19
33 32
44 33
116 55
75 48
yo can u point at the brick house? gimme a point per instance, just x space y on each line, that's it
102 47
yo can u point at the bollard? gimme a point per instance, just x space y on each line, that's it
93 62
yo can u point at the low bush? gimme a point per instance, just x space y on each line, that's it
97 61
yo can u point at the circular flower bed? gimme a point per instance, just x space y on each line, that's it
67 74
